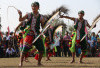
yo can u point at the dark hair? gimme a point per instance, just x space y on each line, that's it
81 12
35 3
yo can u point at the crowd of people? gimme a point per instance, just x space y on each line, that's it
9 46
93 46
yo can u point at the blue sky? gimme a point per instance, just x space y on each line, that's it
91 8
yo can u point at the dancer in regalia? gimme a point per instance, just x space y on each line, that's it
48 41
80 25
34 20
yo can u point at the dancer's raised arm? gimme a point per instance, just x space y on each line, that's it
20 16
71 18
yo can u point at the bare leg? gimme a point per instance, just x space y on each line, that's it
82 57
26 57
40 57
48 58
73 55
21 59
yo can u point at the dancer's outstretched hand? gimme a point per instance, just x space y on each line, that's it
19 12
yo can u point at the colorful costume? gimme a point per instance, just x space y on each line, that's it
31 32
73 37
20 41
48 40
80 32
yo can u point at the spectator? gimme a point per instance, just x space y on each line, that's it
93 50
98 41
66 45
1 50
61 44
10 52
10 39
0 38
90 45
6 39
57 39
15 45
78 50
4 44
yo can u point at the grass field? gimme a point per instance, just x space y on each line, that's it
56 62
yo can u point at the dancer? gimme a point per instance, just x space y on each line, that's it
79 24
20 39
34 20
48 41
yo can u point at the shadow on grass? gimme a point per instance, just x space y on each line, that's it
46 66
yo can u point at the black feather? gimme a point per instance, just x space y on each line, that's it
61 9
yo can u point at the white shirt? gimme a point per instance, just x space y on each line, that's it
10 51
90 42
8 38
57 43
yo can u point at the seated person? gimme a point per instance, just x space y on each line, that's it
10 52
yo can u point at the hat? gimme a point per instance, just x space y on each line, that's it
35 4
